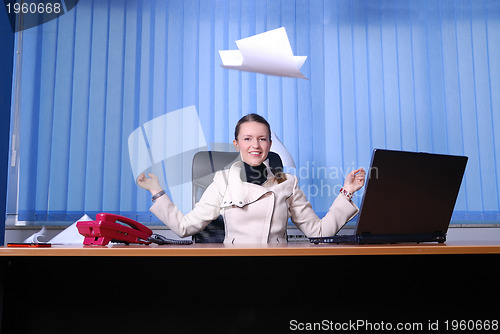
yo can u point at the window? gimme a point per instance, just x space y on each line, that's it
409 75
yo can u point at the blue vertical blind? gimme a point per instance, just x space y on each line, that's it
409 75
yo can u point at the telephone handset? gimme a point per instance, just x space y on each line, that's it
110 227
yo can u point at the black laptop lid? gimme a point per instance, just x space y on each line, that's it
410 193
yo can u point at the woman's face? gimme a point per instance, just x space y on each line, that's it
253 143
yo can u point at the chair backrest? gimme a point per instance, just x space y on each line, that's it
205 165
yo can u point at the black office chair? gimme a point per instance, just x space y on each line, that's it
205 165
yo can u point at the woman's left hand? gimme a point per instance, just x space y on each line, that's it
355 180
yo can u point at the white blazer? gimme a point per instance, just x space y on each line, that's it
254 213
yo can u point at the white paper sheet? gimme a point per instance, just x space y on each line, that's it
165 146
280 149
268 53
70 235
35 237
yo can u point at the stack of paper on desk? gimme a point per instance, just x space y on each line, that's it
268 53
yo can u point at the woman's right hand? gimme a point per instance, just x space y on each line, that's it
151 184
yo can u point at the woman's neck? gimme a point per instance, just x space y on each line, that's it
255 174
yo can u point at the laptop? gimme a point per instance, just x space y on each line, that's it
409 197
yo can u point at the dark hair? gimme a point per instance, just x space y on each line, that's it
251 118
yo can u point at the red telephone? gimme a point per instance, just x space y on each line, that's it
106 227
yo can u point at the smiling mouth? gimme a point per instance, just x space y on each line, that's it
255 153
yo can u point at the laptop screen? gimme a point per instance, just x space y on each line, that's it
410 192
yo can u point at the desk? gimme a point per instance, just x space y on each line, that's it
291 249
243 289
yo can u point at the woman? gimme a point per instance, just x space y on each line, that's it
255 203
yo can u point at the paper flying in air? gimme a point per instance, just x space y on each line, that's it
268 53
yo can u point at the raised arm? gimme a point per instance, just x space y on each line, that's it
340 212
204 212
